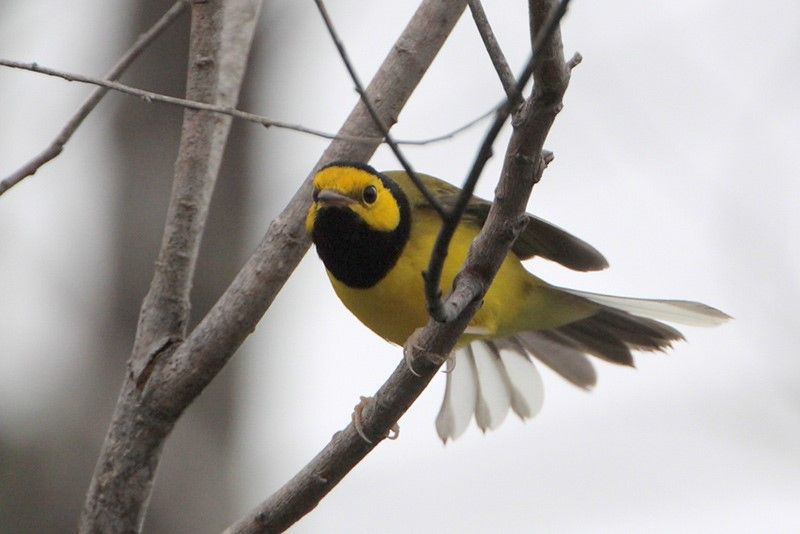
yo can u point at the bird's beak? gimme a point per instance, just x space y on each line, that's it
328 197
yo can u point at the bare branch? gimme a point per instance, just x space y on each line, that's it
452 133
304 491
149 96
374 114
221 33
347 447
179 379
574 61
507 78
172 373
57 145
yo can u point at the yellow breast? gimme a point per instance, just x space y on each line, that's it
395 306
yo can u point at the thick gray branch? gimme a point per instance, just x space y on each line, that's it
221 33
168 374
250 294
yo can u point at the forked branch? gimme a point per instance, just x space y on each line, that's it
167 372
221 33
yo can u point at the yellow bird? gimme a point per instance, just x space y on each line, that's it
374 231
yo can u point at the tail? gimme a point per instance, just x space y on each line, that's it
488 377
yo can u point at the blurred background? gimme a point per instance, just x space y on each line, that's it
676 155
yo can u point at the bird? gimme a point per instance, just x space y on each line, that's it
375 231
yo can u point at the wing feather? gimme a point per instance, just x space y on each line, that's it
538 238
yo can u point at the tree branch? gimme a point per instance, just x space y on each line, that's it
507 78
149 96
175 372
472 288
57 145
221 33
522 168
434 202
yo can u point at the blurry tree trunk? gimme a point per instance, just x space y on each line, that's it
193 493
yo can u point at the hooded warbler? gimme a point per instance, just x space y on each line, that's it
374 231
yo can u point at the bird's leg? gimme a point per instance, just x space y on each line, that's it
451 363
408 352
358 423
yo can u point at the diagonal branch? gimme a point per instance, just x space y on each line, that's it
180 378
169 373
374 113
149 96
507 78
221 33
523 167
57 145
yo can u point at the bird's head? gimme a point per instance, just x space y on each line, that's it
357 188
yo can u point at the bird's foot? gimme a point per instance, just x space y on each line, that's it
358 422
451 363
411 345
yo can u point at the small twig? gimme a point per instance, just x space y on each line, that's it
452 133
57 145
148 96
447 311
494 50
374 114
574 61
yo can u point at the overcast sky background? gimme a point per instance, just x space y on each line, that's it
676 155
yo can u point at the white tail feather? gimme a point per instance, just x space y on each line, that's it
485 379
494 398
524 383
674 311
460 395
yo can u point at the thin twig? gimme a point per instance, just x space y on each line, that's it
507 78
149 96
57 145
452 133
449 310
378 122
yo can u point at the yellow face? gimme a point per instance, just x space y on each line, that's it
358 190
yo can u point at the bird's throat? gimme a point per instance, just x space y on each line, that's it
356 254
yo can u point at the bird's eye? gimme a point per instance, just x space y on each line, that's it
370 194
315 195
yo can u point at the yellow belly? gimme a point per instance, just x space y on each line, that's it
516 301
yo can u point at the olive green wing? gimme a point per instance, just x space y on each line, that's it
539 238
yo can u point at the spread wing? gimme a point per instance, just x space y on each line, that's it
539 238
